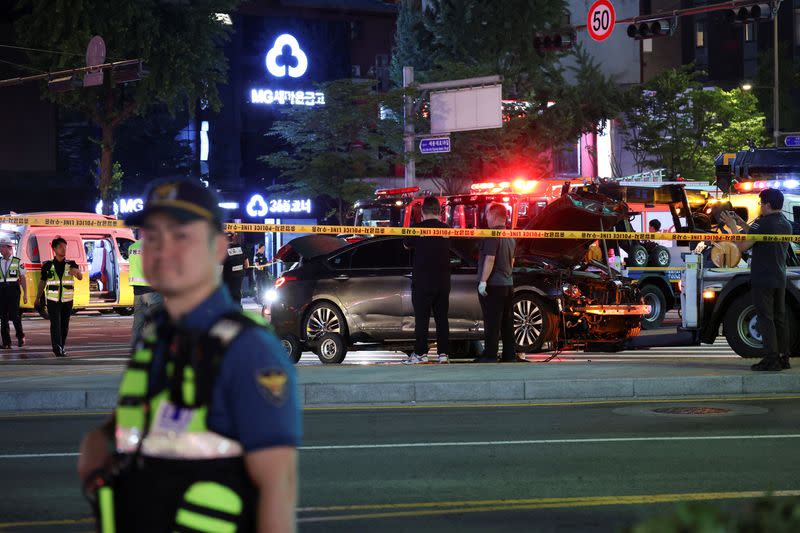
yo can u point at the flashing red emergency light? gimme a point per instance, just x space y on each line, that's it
760 185
395 192
518 186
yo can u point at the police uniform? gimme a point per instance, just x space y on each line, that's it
59 291
198 395
233 271
11 275
261 274
195 398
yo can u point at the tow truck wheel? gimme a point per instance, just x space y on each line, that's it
637 256
534 322
740 328
660 256
330 348
654 297
292 346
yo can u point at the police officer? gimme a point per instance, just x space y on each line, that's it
233 268
768 277
144 297
57 285
12 277
207 424
260 275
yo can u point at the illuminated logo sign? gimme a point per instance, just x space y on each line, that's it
122 206
286 58
258 207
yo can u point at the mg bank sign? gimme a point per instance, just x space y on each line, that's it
123 206
286 59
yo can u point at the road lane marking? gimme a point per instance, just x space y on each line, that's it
578 403
529 442
532 442
487 506
41 523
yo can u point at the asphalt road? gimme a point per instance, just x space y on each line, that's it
591 467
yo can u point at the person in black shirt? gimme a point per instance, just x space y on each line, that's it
234 267
768 277
260 274
58 287
430 285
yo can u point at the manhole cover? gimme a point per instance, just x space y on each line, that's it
691 410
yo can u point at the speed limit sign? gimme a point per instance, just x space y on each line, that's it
600 20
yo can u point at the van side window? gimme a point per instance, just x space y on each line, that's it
33 249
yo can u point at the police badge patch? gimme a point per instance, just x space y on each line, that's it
272 384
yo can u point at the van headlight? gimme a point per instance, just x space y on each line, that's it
270 295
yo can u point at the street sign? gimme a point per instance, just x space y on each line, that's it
792 141
601 20
95 55
435 145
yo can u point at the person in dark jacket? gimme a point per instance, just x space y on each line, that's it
430 285
768 277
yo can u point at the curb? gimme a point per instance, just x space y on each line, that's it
326 394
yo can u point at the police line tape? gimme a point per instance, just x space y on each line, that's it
67 222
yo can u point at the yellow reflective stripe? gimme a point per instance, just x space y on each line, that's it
130 416
105 498
203 523
214 496
188 386
143 355
255 317
134 382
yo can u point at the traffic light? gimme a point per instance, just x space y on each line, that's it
648 30
751 13
558 40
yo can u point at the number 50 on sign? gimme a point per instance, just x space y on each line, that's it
600 20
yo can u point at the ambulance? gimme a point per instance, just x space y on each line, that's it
523 198
391 208
101 254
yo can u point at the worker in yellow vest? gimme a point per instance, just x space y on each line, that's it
12 278
57 285
145 299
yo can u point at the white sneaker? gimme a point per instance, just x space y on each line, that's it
415 359
443 359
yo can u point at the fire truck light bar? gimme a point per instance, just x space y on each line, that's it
393 192
518 186
756 186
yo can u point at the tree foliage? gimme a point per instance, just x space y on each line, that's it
456 39
675 123
180 43
330 149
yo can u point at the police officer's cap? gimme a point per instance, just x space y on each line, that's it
6 242
184 199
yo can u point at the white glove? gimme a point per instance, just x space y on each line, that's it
482 288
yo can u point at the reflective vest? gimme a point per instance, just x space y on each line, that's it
11 275
135 273
175 473
59 289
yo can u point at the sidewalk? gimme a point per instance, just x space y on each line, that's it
49 387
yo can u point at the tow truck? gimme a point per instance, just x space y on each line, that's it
712 297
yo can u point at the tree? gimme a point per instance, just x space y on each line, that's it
180 43
467 38
675 123
331 148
